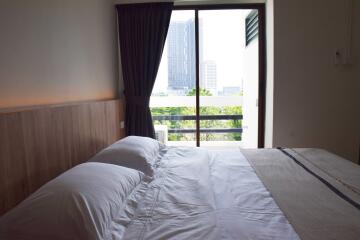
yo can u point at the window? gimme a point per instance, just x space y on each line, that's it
207 87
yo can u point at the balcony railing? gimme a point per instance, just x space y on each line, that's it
201 117
189 101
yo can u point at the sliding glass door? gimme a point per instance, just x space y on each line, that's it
172 103
207 91
221 44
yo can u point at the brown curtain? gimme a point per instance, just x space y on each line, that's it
142 34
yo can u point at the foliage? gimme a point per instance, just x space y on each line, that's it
191 124
202 91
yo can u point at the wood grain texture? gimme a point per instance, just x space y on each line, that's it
37 144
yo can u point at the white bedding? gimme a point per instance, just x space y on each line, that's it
85 202
194 194
139 153
199 194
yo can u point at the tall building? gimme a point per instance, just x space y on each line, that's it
181 55
209 78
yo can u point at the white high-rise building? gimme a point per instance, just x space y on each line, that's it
209 78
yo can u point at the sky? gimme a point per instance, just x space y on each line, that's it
223 39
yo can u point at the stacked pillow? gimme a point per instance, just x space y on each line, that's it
85 202
140 153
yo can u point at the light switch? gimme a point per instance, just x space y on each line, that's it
338 57
122 124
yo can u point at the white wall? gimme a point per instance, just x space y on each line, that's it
57 51
250 95
269 103
315 103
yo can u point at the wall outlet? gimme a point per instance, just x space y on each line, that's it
122 124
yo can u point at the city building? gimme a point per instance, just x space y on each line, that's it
209 78
181 55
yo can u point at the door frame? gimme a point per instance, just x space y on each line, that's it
260 7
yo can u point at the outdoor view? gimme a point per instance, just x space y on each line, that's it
222 52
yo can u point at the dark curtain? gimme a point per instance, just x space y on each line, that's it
142 34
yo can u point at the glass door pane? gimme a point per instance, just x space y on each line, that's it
173 102
228 79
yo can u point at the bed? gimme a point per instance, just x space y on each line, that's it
138 188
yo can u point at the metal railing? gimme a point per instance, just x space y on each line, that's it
201 117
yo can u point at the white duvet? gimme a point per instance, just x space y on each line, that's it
194 194
199 194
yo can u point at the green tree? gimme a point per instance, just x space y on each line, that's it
202 91
191 124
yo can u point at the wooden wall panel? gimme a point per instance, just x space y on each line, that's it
38 144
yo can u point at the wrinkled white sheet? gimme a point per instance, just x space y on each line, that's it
200 194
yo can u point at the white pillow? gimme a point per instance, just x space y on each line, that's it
85 202
134 152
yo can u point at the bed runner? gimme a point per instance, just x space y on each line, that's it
318 192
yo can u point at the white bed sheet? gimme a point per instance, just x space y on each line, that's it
201 194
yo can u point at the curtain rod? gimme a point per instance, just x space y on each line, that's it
192 2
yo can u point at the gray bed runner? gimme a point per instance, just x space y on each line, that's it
312 187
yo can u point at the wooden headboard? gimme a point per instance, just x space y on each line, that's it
37 144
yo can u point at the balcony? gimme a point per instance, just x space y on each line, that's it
220 120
